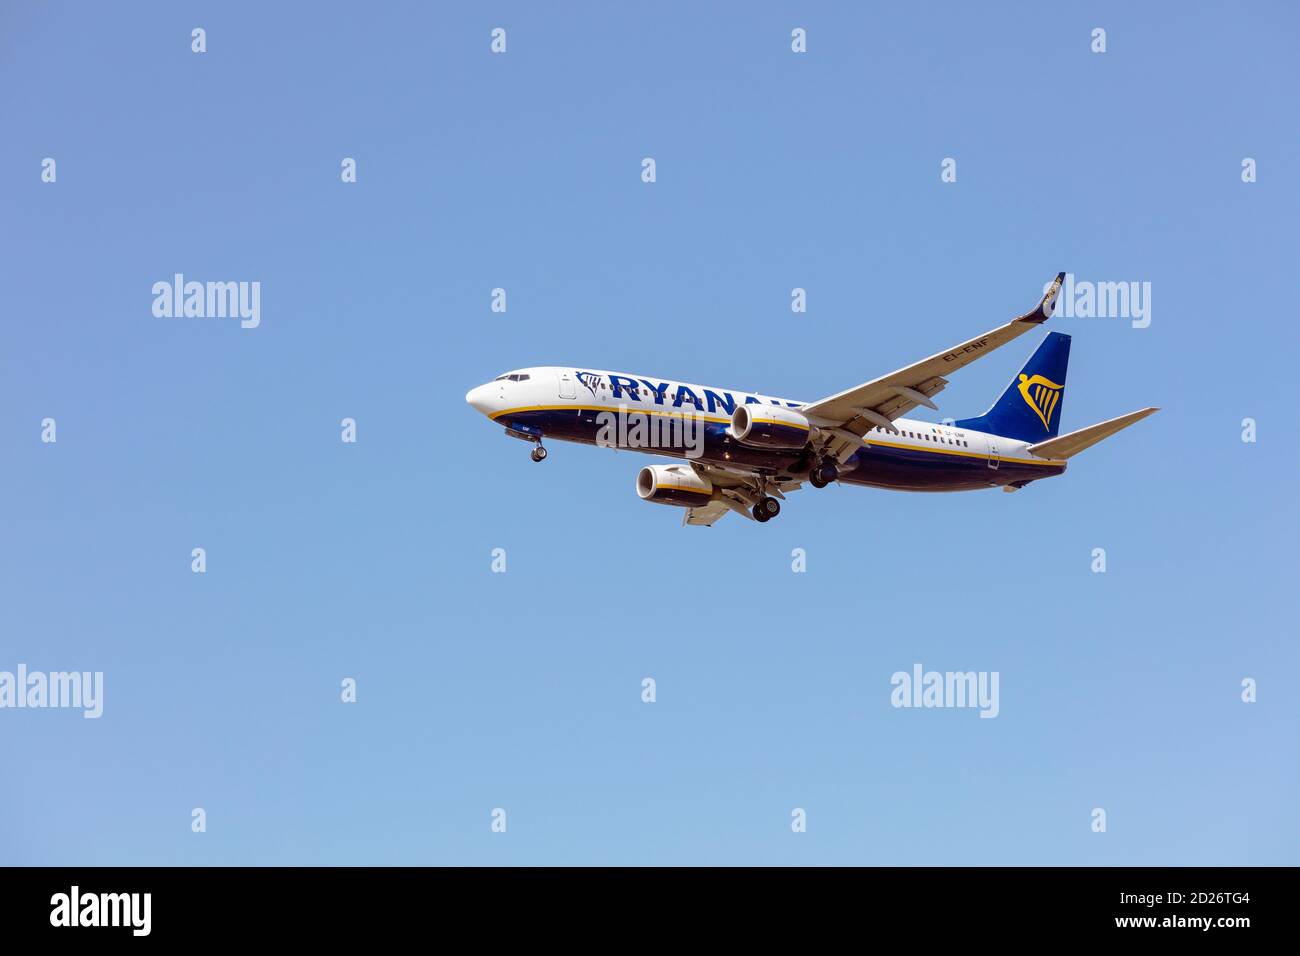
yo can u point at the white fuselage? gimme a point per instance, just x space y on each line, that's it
566 404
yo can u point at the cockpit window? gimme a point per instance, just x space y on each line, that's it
520 378
513 377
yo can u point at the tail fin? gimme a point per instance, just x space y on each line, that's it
1030 409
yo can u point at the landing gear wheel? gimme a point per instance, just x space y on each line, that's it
766 509
823 474
539 453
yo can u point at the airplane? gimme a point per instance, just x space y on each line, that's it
745 452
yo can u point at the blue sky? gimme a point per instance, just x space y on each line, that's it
522 690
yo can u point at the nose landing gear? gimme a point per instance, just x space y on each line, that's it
533 437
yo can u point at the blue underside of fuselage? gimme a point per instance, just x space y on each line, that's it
880 466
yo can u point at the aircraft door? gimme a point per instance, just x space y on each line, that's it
567 388
993 453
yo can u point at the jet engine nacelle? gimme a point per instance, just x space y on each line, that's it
673 485
770 426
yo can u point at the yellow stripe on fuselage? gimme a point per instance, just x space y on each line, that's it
727 421
968 454
606 408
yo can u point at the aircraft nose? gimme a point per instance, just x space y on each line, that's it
480 399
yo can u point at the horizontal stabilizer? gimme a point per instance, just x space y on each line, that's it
1066 446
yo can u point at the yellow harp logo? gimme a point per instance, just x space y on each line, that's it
1042 396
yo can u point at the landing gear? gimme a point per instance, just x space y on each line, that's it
823 473
766 509
539 453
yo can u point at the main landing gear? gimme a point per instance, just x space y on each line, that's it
539 453
823 473
766 509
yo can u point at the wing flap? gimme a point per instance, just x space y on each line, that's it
705 515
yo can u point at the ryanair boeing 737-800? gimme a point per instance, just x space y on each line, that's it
744 452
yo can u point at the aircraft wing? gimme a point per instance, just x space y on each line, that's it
706 514
856 411
736 491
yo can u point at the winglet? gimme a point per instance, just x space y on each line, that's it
1043 311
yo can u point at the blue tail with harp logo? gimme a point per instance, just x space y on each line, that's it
1030 409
